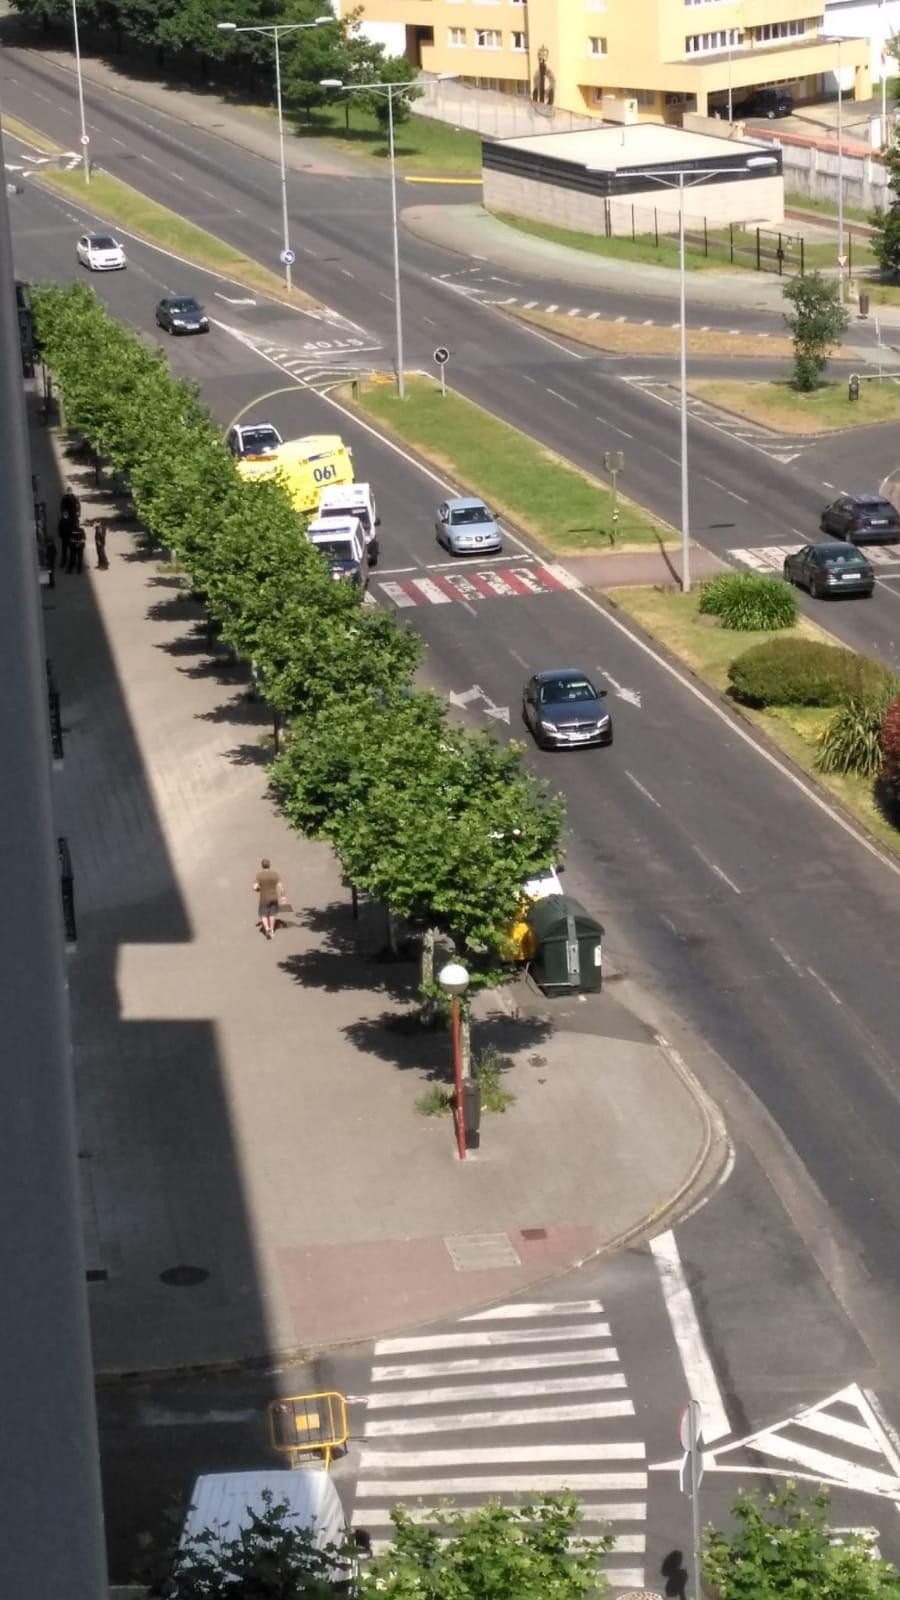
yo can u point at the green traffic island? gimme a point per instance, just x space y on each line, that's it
833 712
423 146
827 408
565 509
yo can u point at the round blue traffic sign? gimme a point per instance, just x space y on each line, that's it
288 257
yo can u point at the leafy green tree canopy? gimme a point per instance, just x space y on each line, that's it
817 322
782 1548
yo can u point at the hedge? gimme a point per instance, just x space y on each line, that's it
804 672
748 602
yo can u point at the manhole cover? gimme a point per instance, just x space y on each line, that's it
478 1252
183 1277
530 1234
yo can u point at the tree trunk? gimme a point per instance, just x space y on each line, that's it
391 931
429 1007
347 112
276 731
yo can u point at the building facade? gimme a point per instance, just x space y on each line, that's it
644 60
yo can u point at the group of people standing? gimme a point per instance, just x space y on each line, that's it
72 539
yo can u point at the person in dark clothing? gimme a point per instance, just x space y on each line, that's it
64 529
100 545
77 542
70 506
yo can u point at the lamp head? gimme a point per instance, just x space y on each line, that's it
227 27
454 978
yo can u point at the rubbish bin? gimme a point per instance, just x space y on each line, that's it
864 302
568 942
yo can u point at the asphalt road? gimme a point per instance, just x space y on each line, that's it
755 927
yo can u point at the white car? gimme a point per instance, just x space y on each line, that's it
100 252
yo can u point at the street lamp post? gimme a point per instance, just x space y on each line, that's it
389 89
675 178
454 980
85 136
276 29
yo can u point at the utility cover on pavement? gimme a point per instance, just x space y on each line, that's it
479 1252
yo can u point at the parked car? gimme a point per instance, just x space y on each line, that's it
861 519
181 313
100 252
829 569
564 708
465 526
769 103
250 441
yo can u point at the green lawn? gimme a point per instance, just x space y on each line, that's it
422 145
119 204
698 641
14 127
643 248
540 492
778 406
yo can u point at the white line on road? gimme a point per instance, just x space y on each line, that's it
557 396
496 1455
537 1308
785 957
717 870
828 990
497 1391
698 1368
476 1365
645 792
593 1511
828 1467
528 1417
461 1341
505 1484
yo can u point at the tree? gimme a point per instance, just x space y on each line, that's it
784 1547
817 322
886 240
273 1557
495 1552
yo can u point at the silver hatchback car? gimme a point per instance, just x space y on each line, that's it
466 527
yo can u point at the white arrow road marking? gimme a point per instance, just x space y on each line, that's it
501 713
466 697
633 696
233 300
698 1368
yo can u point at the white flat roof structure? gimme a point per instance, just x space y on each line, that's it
640 144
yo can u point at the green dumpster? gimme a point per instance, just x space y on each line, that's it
568 945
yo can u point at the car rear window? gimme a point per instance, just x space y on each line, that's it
855 562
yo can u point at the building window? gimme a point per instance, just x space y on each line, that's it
456 38
596 47
487 38
519 41
778 30
703 44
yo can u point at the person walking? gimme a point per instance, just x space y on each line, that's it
100 544
70 506
268 886
64 529
77 542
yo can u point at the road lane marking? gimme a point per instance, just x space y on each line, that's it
566 402
496 1391
481 1338
717 870
828 990
698 1368
537 1308
518 1483
589 1411
592 1511
496 1455
469 1365
645 792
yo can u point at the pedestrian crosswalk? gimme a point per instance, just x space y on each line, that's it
519 1400
487 583
770 557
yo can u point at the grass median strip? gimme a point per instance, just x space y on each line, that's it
779 406
127 208
540 492
644 247
656 340
15 128
674 620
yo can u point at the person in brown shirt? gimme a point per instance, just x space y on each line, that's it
267 885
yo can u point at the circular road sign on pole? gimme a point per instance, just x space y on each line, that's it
85 138
288 258
442 356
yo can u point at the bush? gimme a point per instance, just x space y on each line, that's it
749 603
852 742
890 741
804 672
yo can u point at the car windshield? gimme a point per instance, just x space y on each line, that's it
259 439
101 242
186 306
565 690
335 549
468 514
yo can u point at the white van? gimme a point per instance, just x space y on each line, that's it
226 1502
342 542
353 500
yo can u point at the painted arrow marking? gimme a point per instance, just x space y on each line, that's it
465 697
232 301
633 696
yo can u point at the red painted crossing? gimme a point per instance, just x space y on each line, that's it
440 588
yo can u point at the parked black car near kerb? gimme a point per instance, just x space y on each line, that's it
769 103
861 519
828 569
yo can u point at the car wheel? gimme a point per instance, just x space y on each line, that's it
786 574
815 590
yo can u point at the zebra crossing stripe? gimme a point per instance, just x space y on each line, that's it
397 593
495 1391
598 1511
540 1360
502 1483
431 591
589 1411
497 1455
530 1308
459 1341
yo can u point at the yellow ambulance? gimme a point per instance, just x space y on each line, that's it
305 466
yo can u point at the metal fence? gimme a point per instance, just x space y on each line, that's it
731 243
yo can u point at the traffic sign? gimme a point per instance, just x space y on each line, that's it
842 261
441 355
85 138
288 258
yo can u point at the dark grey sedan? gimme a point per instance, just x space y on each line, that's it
861 519
564 709
181 313
830 569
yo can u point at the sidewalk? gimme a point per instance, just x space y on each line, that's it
257 1179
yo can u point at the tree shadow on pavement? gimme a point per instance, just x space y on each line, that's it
351 954
240 708
250 755
405 1042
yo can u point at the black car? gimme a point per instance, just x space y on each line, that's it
862 519
563 709
769 103
830 569
181 313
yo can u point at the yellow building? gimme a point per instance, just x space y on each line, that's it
648 60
